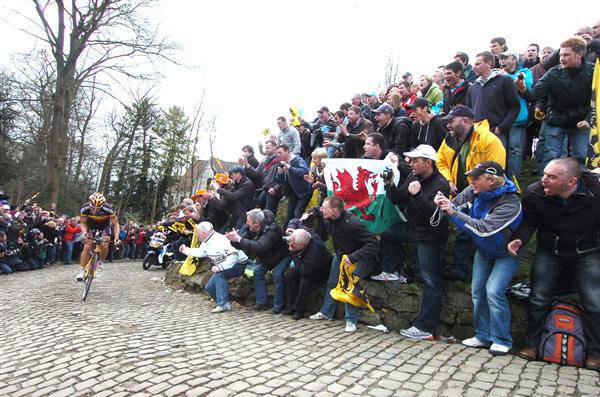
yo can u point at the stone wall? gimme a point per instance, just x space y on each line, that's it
395 304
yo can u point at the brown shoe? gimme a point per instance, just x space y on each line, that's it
593 364
529 353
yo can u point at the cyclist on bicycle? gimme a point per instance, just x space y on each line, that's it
97 215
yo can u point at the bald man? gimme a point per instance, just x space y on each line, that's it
311 262
564 209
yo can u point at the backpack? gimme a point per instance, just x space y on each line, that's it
563 340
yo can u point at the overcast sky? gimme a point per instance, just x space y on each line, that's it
256 59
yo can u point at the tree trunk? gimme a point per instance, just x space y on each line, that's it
58 139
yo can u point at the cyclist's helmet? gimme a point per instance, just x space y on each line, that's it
97 199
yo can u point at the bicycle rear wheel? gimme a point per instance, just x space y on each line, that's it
89 275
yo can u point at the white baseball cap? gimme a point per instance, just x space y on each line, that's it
424 151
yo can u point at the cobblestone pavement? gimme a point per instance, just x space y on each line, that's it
135 337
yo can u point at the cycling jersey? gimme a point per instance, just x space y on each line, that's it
101 219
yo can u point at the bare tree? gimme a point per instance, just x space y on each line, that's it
89 38
392 70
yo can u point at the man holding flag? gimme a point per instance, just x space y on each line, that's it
351 238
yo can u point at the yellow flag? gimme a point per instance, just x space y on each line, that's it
348 289
593 160
189 265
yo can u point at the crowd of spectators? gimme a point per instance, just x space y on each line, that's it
33 238
455 142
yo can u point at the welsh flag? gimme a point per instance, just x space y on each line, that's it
358 182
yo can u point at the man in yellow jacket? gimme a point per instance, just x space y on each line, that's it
467 145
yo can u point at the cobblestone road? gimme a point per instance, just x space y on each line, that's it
135 337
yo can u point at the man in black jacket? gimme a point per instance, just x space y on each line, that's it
457 88
355 133
564 208
430 235
310 266
396 130
240 196
563 94
428 128
351 238
263 240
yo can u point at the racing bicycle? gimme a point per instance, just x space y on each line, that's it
93 264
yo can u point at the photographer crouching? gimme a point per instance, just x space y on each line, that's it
309 268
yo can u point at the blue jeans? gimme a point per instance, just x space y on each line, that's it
463 249
431 263
132 249
5 269
491 312
331 151
329 304
260 286
554 138
68 252
217 285
392 253
516 141
545 276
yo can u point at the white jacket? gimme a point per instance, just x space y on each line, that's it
219 250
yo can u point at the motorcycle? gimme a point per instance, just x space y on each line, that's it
159 253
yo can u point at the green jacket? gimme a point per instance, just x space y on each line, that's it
434 95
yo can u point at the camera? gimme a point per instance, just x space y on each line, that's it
286 238
281 165
387 173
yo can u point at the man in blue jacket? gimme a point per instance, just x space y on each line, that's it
291 170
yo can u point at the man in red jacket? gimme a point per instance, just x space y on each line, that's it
70 232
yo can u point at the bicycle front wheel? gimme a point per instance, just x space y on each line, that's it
89 275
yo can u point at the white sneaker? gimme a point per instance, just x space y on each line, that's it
80 274
474 342
380 277
384 276
350 327
319 316
415 333
499 350
220 309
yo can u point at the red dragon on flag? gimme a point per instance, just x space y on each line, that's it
358 196
358 182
